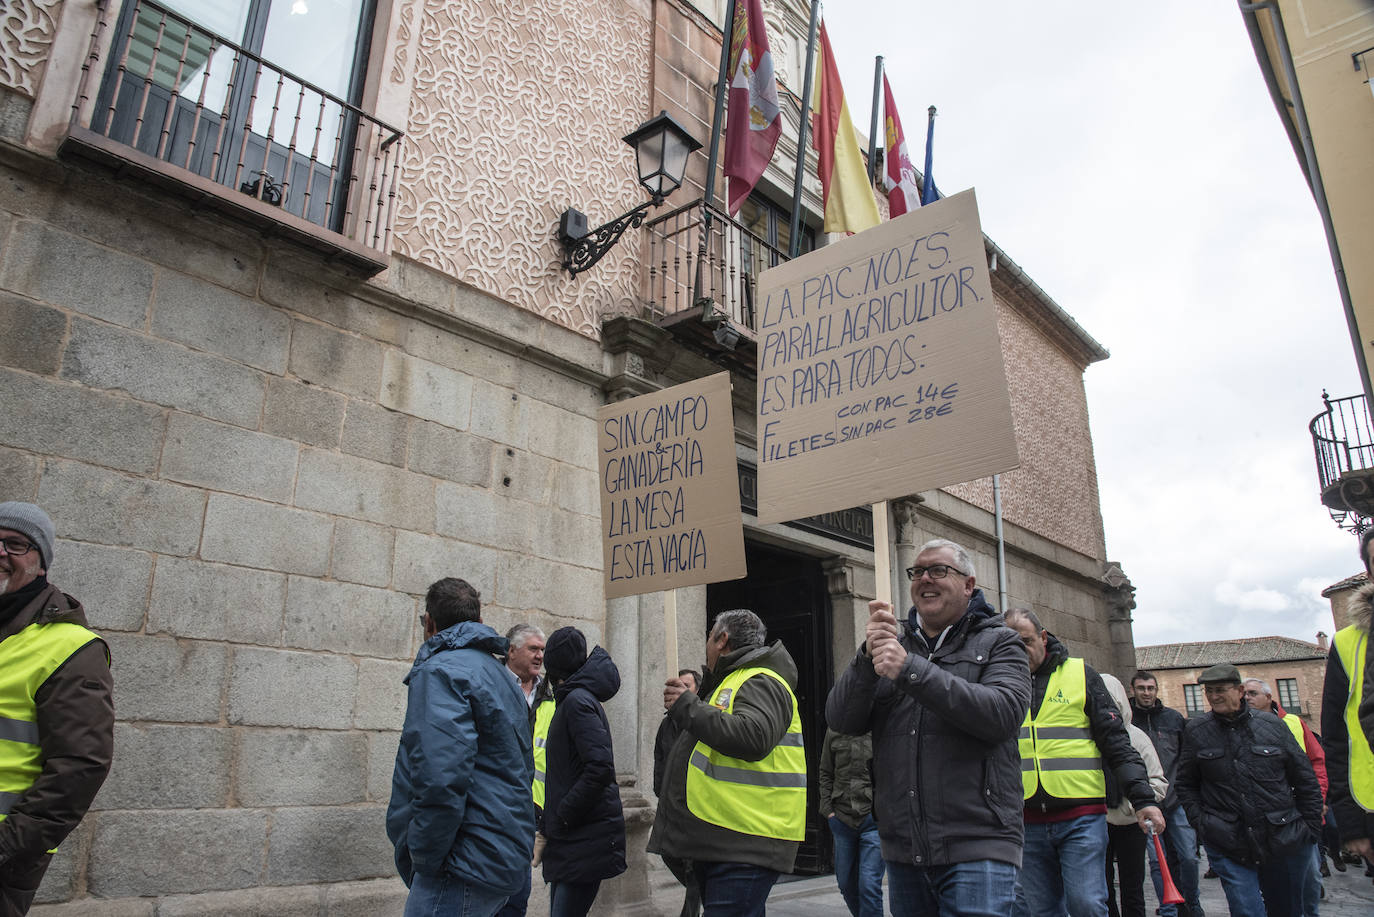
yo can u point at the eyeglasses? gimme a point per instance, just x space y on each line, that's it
17 547
936 571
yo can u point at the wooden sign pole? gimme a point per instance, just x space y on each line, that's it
882 554
670 631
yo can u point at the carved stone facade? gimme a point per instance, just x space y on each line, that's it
516 114
27 28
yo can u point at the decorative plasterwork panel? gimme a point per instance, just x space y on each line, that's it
26 33
516 114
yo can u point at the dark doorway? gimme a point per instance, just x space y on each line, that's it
787 591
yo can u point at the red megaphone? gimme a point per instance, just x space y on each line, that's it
1171 895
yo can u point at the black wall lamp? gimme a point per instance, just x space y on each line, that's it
661 147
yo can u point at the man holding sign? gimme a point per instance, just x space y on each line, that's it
944 694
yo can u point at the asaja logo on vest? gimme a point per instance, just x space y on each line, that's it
1059 698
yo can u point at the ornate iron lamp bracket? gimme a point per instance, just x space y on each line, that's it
584 250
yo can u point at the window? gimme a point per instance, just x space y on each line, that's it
1288 695
770 224
1193 699
257 95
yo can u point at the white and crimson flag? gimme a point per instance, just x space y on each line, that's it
755 119
849 203
903 191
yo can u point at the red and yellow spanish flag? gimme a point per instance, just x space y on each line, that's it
849 203
755 118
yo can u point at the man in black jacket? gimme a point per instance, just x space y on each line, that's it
1073 733
943 695
1252 795
1164 725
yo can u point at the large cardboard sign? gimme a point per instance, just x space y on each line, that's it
670 510
879 367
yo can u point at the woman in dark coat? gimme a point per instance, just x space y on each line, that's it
583 821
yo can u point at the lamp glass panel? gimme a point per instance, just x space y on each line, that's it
675 153
649 154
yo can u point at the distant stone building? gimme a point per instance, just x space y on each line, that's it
1340 595
1294 670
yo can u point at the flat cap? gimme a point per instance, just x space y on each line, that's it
1221 673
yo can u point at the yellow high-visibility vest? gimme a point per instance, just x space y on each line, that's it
1057 748
767 797
1351 644
27 659
543 716
1295 726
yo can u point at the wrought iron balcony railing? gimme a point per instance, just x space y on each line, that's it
729 267
181 101
1343 438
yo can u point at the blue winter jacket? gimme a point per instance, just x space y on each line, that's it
460 795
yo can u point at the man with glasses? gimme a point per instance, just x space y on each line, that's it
1072 738
943 693
56 712
1250 791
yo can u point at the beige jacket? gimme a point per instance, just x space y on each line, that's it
1124 814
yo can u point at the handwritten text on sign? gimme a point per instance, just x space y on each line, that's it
669 491
879 369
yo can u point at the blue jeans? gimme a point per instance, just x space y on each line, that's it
450 896
859 866
572 899
734 889
1276 889
1061 869
981 888
1180 846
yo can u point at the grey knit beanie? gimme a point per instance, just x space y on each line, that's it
32 523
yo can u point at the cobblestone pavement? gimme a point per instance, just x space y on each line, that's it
1349 894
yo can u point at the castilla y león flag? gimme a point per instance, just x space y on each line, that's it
755 120
903 193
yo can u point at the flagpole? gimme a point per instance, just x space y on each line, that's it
722 79
928 193
794 240
873 122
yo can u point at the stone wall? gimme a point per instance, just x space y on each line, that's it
256 466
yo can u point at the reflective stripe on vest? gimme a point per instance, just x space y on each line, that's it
543 716
1058 753
767 797
1351 645
27 659
1295 726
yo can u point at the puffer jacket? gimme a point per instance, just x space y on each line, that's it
762 714
1351 819
583 820
1247 788
75 731
946 768
1164 725
845 775
1109 734
1121 812
460 794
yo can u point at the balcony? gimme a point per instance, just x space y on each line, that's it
724 269
183 107
1343 438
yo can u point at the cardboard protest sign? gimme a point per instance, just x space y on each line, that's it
670 511
879 367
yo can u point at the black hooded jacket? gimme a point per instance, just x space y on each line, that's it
1109 734
583 821
946 769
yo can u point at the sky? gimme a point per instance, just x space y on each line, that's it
1130 160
